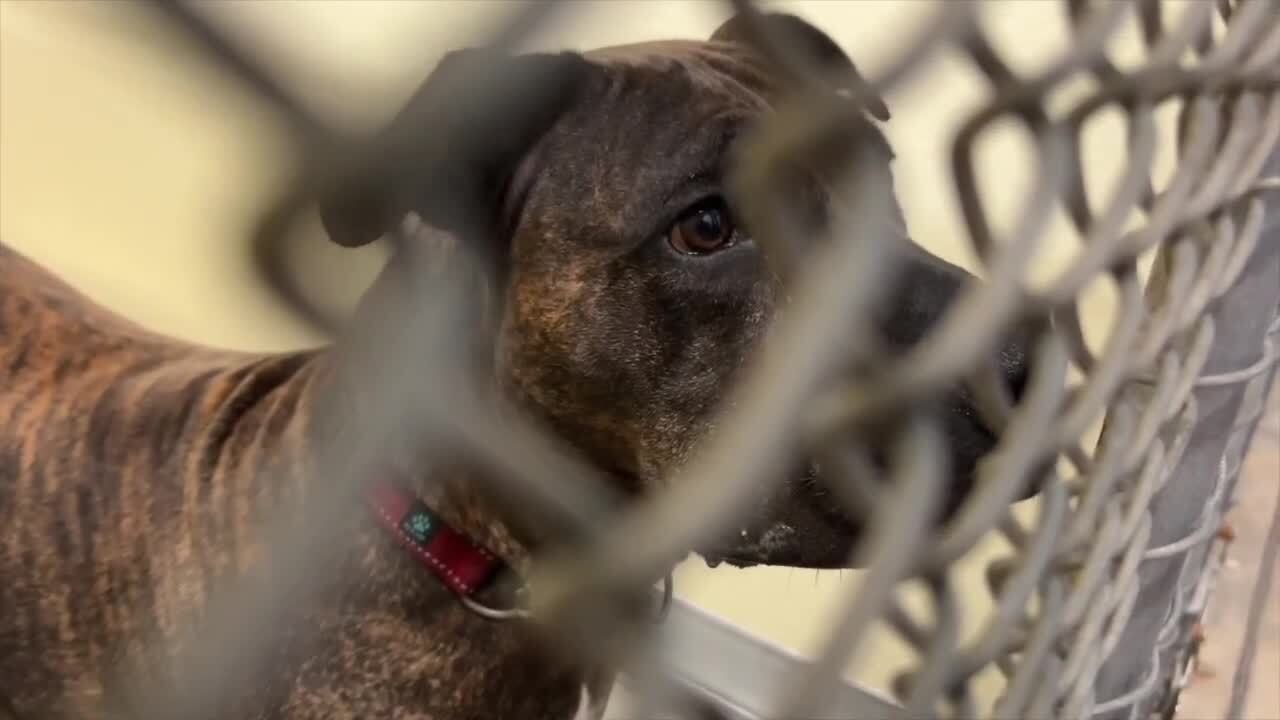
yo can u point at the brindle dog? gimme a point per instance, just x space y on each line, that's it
129 489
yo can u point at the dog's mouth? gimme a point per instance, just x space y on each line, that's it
805 523
801 524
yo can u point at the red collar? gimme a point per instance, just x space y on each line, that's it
461 565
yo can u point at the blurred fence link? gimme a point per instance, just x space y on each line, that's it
1096 607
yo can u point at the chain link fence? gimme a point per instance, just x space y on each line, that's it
1096 607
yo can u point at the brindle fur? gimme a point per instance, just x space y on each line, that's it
127 496
130 464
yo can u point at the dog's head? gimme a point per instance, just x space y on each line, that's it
632 295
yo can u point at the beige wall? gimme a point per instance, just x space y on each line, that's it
133 170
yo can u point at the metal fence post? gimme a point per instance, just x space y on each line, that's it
1176 574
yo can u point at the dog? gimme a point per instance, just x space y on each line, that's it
631 299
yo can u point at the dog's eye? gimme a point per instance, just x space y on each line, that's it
703 228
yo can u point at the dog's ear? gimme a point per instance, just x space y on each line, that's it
794 32
451 151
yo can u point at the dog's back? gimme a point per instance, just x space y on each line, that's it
111 494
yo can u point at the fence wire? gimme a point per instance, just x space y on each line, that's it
1097 606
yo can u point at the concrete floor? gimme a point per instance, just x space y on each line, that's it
1208 695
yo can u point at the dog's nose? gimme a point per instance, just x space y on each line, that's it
926 286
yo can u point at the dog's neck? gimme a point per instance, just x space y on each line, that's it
454 491
460 502
494 664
